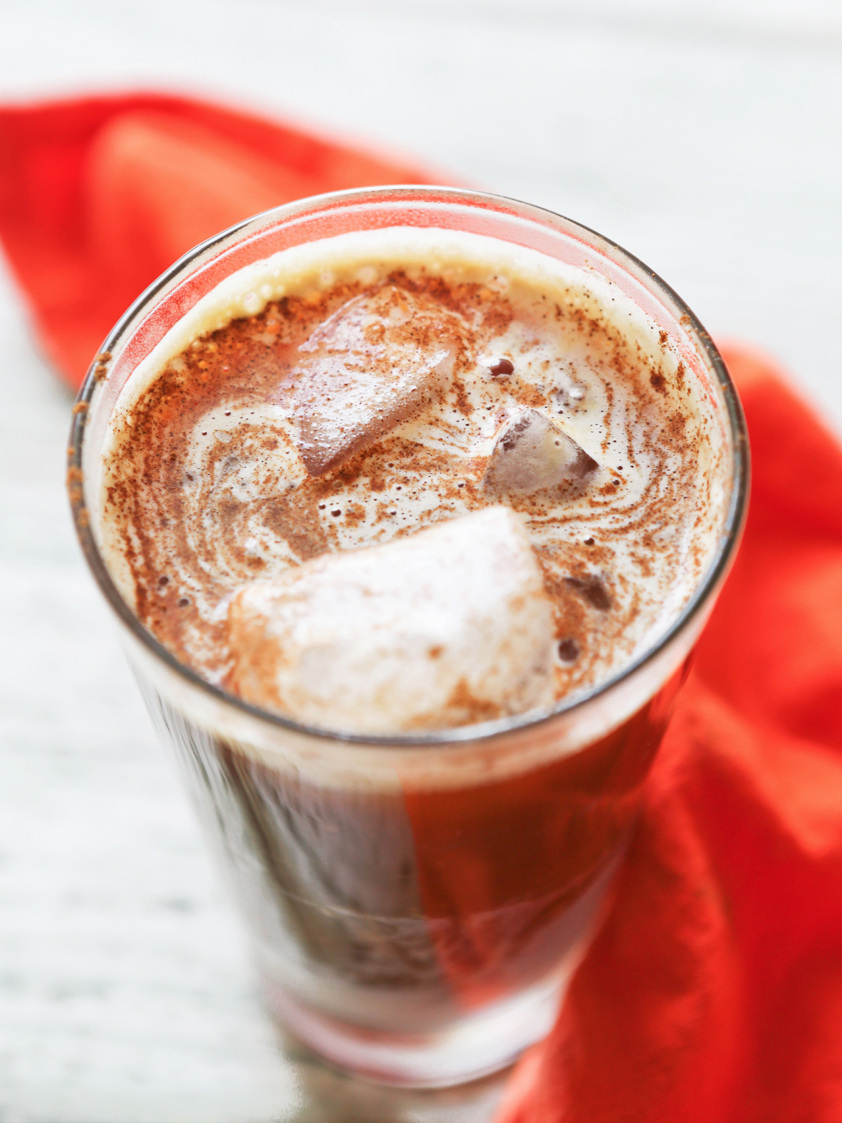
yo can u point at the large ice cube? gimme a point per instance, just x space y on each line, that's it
444 627
374 363
532 454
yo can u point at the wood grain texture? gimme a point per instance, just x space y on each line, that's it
705 137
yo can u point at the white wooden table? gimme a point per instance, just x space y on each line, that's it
703 135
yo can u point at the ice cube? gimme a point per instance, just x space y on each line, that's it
441 628
373 364
532 453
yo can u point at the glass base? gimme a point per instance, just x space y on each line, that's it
445 1049
479 1044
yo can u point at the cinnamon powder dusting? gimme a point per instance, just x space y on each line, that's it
213 482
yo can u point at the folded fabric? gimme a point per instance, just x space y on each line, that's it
713 993
99 195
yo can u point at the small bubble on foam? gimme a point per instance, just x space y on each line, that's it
251 303
501 368
266 291
367 275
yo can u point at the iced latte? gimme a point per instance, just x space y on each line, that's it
414 512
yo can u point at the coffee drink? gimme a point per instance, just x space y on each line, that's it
428 512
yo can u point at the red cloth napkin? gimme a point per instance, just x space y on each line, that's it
99 195
713 993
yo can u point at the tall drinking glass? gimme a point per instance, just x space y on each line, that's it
415 903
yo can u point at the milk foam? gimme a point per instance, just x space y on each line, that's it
643 538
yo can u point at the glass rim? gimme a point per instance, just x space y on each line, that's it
481 732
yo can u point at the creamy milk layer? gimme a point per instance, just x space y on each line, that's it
480 374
